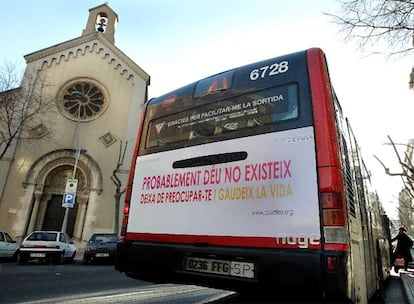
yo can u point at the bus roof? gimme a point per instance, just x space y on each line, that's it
240 79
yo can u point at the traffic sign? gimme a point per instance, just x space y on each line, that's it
68 200
71 185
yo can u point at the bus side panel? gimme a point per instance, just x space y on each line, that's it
330 174
339 169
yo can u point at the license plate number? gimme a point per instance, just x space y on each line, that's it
223 267
37 255
102 255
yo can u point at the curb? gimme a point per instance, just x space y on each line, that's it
407 280
79 256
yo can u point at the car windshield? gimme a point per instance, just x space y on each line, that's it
104 238
42 236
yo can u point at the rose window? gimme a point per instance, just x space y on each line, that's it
83 100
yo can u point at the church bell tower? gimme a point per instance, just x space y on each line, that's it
102 19
95 93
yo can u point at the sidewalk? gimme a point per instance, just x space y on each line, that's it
79 255
407 279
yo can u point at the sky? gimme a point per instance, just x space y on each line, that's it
180 41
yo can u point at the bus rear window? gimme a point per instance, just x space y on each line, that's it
258 112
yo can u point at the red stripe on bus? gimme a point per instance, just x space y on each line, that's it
240 241
336 247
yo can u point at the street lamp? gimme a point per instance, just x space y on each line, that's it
81 97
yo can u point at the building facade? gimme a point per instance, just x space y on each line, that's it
98 93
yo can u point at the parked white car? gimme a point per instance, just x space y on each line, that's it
47 246
8 247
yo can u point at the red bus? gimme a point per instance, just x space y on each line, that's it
252 180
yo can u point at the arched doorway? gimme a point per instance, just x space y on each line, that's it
47 179
53 212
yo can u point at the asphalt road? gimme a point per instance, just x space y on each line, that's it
76 283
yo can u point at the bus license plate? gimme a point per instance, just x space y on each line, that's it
223 267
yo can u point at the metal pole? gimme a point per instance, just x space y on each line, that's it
78 150
65 220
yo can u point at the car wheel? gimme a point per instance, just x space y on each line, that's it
60 258
15 256
22 259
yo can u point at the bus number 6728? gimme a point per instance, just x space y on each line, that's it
269 70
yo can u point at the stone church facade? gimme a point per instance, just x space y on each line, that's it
98 92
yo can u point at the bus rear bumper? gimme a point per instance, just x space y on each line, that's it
283 272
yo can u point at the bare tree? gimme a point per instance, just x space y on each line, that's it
378 24
10 78
118 191
406 174
23 111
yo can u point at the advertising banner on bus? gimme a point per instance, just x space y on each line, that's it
271 193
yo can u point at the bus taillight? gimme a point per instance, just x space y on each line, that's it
124 221
331 200
333 212
334 218
126 209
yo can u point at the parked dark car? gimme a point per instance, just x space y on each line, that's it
101 247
